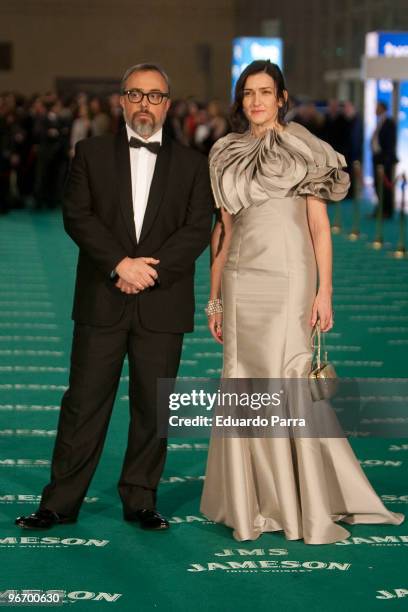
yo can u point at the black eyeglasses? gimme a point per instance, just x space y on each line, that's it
137 95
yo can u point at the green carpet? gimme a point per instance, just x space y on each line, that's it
196 564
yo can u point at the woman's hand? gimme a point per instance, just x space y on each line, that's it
322 310
215 327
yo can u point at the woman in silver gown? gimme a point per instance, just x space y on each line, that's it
271 248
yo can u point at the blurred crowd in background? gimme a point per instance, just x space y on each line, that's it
38 136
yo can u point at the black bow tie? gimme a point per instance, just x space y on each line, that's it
153 147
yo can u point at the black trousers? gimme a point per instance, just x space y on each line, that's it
388 191
96 364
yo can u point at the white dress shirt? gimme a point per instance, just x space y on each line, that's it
142 164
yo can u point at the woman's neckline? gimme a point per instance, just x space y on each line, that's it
278 131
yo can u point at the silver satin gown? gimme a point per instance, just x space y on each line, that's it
302 486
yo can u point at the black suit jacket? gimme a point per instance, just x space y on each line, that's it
387 139
98 216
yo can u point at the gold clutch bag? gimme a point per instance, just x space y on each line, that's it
323 379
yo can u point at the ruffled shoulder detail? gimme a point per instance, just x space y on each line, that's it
247 170
325 178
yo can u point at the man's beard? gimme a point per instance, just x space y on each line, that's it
144 127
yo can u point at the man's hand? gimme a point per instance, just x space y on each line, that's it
138 272
126 287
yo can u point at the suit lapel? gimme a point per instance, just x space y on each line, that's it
158 186
123 174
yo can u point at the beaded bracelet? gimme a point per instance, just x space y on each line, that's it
213 307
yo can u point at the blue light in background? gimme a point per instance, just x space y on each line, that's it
389 44
246 50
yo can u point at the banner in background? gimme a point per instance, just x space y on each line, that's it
248 49
388 44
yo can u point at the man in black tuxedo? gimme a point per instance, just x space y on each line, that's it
384 144
139 207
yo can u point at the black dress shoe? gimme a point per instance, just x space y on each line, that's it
148 519
43 519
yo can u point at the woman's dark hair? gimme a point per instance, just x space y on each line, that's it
238 120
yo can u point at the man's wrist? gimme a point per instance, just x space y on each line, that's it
114 275
115 272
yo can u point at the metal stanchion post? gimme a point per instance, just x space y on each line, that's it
336 227
401 251
378 241
355 229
